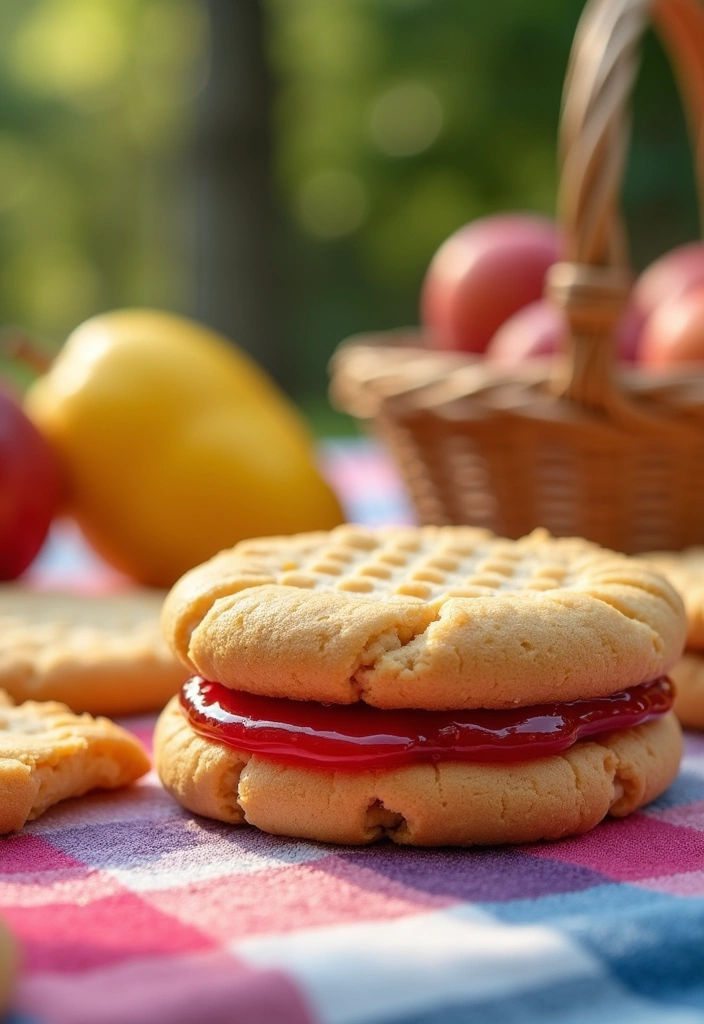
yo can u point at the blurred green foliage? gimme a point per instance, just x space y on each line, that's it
494 73
96 100
395 121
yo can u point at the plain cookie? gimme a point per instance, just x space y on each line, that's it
100 653
688 677
455 804
685 570
48 754
431 617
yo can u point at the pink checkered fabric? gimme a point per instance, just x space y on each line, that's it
130 909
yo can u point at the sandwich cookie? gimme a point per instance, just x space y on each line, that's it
435 685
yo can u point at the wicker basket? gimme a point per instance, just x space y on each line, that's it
575 445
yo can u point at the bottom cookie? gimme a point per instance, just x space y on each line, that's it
456 804
688 677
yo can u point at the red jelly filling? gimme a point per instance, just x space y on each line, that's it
357 737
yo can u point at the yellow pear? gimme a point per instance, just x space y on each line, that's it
175 444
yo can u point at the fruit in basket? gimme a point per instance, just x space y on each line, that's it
538 329
483 274
175 444
674 332
535 330
672 275
30 487
629 334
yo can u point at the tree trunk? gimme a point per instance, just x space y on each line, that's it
238 289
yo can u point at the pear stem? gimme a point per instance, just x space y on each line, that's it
19 347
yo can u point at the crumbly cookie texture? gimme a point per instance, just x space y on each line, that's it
431 617
688 677
422 805
100 653
685 570
48 754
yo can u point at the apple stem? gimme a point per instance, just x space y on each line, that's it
21 348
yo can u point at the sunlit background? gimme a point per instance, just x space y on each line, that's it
285 170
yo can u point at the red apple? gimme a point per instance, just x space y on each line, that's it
673 274
629 333
483 274
538 329
29 488
535 330
674 333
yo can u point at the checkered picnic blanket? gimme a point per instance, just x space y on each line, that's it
132 911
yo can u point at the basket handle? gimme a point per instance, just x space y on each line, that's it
592 283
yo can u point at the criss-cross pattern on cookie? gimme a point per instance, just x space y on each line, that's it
430 564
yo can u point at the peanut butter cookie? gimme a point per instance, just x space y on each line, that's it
48 754
102 653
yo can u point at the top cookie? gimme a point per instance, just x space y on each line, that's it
685 571
430 617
